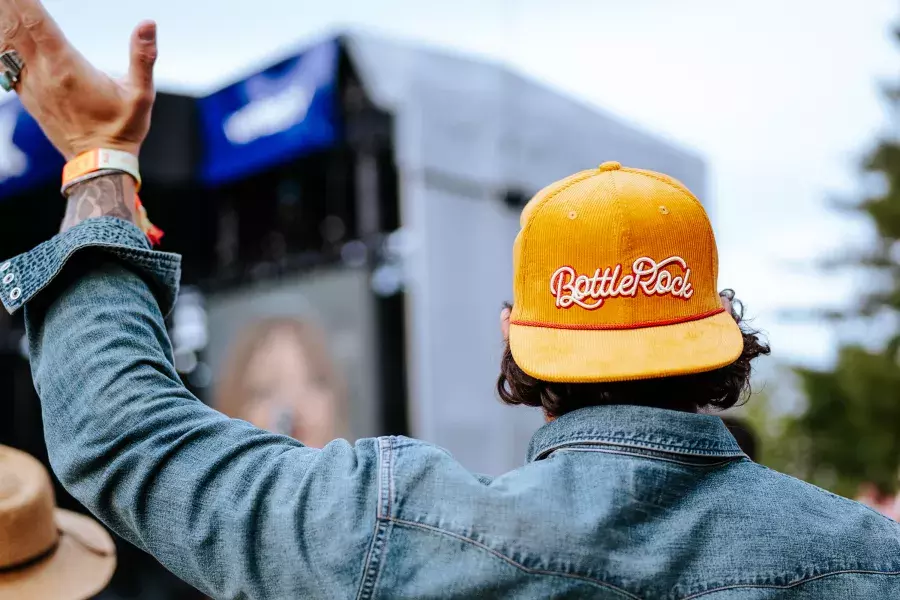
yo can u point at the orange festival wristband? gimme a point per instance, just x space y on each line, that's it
100 159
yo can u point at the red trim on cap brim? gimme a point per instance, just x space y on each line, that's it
643 325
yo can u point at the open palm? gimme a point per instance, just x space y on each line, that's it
79 107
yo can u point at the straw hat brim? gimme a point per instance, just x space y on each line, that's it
79 568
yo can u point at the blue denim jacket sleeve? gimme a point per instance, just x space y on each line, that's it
233 510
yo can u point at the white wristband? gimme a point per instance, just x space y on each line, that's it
101 159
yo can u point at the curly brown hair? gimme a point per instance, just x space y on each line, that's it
719 389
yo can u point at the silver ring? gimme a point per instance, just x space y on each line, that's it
11 65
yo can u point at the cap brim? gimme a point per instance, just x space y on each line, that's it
79 568
593 356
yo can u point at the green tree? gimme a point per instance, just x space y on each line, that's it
849 432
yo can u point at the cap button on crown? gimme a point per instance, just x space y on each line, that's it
610 166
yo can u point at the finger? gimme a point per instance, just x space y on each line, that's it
13 34
44 35
143 57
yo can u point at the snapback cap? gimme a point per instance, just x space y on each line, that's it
615 279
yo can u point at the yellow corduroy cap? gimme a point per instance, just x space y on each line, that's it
616 279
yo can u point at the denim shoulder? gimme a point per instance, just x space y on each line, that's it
801 519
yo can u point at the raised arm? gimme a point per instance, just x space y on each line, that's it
233 510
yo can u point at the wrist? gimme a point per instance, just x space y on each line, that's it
110 195
104 182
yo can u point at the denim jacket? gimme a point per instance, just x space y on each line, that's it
616 502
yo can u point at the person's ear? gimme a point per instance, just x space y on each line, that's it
504 323
726 303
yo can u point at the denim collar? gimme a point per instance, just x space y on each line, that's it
637 427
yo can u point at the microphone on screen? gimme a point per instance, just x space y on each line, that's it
283 421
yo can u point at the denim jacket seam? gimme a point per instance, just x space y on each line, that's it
514 563
792 584
378 547
389 459
631 443
673 441
724 461
161 261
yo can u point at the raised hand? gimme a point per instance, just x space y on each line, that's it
78 107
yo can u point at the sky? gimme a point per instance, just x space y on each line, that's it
780 98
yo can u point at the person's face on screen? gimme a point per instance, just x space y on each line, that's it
286 393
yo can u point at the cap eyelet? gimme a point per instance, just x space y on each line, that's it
573 215
663 210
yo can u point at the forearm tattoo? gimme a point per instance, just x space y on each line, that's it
100 197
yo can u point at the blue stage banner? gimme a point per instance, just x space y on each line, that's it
27 158
272 117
